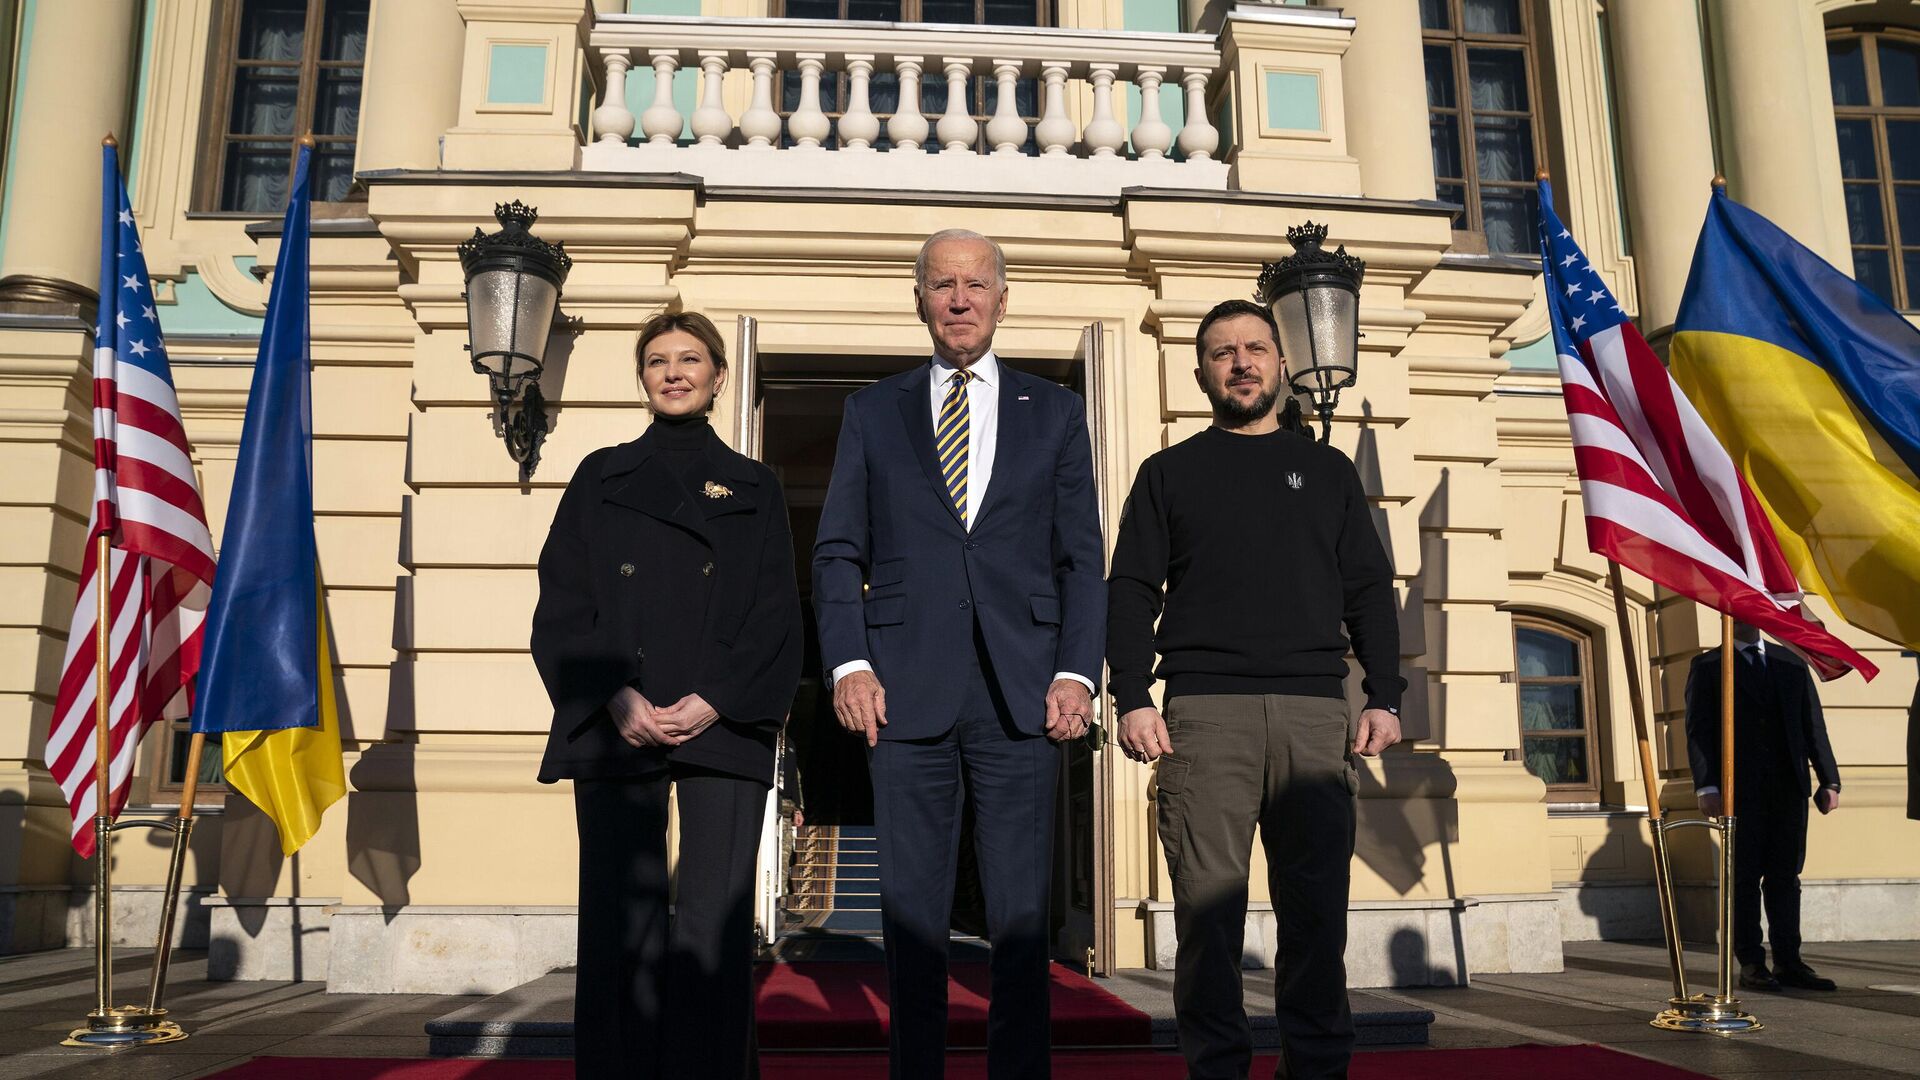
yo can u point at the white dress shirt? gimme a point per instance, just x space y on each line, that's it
983 437
1750 652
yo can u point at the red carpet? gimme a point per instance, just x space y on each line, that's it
838 1005
1510 1063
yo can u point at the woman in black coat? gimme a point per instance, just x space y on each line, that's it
668 634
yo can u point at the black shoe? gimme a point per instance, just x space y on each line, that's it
1797 974
1757 977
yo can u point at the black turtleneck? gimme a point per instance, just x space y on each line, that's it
683 443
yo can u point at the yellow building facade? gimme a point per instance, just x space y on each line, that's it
752 160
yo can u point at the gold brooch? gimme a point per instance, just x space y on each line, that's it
717 491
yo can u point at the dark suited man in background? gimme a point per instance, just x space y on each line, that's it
1779 730
958 578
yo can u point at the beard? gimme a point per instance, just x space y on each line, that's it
1235 413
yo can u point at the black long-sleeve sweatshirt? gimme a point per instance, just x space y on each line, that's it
1265 547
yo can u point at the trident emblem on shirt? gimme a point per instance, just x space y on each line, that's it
1295 482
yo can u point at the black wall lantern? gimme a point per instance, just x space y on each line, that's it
513 290
1315 297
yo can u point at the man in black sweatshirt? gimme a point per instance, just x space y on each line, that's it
1262 540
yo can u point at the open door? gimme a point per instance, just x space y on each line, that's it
1083 838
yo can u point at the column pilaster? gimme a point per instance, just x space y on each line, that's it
1661 94
412 84
1385 76
1777 120
52 250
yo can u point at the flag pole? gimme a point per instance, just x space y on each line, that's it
1728 818
102 781
1656 828
176 871
109 1027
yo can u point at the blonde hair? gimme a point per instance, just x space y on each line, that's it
689 322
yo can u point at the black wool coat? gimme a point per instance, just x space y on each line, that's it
671 587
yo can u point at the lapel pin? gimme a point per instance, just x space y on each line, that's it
1022 397
626 569
717 491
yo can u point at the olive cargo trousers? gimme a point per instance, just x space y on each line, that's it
1282 763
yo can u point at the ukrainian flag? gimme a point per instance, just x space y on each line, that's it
1813 385
266 676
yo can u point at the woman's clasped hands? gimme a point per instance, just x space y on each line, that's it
642 723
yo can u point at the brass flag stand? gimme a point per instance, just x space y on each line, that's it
109 1026
1718 1013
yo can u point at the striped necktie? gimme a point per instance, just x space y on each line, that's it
951 438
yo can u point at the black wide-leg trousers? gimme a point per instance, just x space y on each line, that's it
661 999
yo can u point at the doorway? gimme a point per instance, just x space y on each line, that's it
830 889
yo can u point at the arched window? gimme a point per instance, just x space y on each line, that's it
1876 106
1483 115
1553 664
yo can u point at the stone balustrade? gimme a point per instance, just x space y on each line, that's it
1076 145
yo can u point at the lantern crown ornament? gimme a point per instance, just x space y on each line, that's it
1315 298
513 290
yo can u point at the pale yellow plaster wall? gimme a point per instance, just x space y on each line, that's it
45 473
428 539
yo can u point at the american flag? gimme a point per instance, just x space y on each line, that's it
146 500
1662 496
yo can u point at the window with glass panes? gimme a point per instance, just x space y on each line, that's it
283 68
883 92
1554 669
1482 102
167 743
1876 106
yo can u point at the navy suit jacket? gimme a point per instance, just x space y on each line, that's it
899 582
1789 699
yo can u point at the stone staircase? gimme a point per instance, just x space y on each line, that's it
836 879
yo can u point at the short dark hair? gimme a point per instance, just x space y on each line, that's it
691 322
1227 309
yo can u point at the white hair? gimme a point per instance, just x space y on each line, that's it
999 257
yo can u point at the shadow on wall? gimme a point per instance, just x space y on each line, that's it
1405 812
1616 898
383 813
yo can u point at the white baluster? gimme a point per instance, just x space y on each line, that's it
906 127
858 126
1007 131
957 128
613 121
711 122
1055 131
1104 134
808 125
1198 139
1152 138
662 122
760 124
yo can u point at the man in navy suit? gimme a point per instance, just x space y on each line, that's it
1779 732
958 579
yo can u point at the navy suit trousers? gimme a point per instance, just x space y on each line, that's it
919 786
